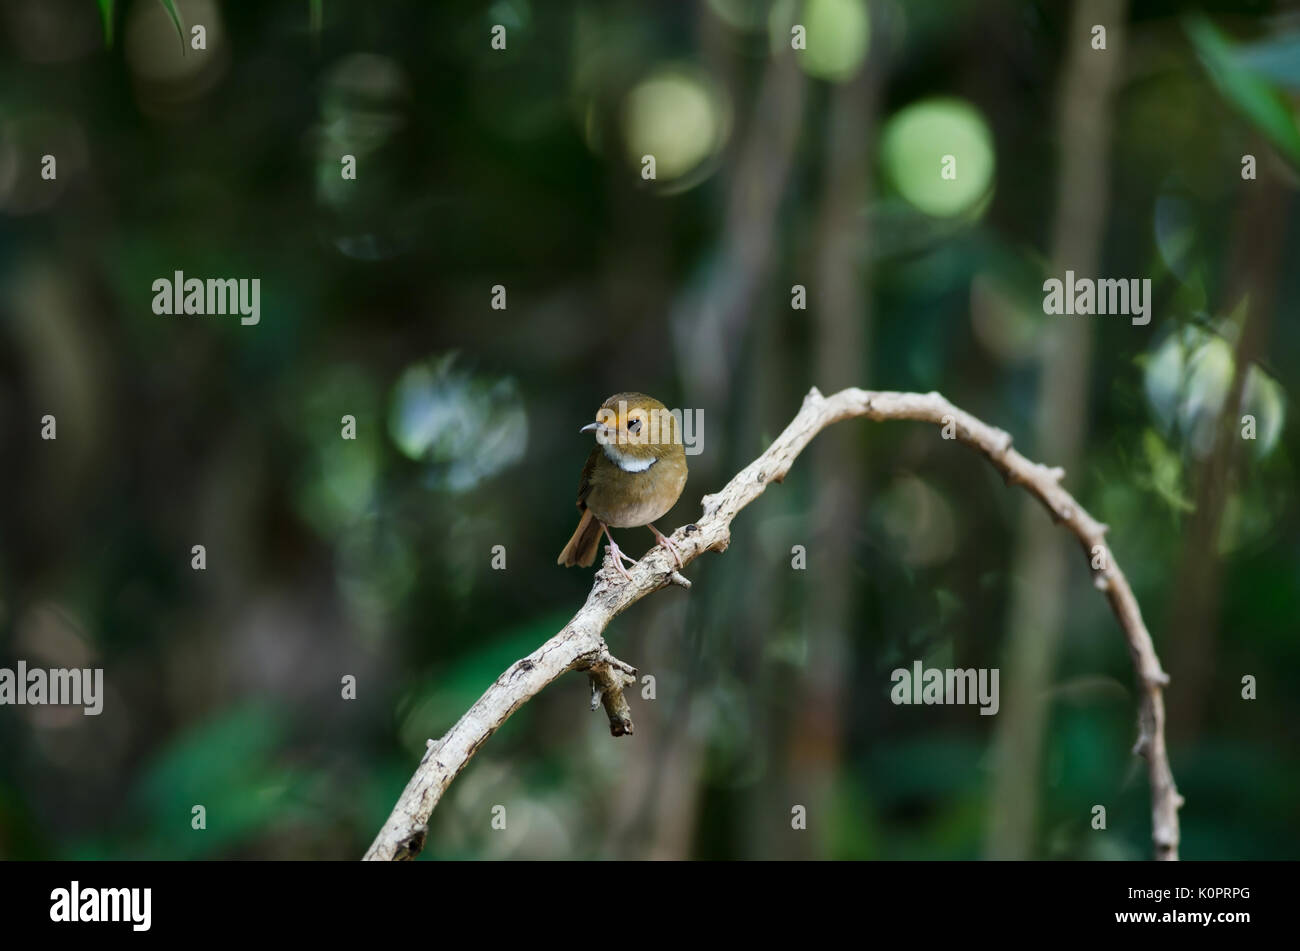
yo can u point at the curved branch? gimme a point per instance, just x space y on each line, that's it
581 644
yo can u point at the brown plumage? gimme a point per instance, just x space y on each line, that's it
634 476
582 547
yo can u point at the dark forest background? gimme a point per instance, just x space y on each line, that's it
521 167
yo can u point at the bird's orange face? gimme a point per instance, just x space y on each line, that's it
636 426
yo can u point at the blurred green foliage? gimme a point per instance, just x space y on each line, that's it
522 168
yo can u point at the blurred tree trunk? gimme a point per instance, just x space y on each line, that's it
1253 275
1039 598
710 326
767 602
839 308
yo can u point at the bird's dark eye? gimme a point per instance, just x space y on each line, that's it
634 426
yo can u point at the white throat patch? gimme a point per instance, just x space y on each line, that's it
626 462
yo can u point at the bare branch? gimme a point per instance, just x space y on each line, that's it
581 645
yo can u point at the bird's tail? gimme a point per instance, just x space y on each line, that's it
582 547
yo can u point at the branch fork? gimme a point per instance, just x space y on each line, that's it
609 677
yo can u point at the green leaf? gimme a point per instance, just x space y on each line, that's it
106 11
439 701
234 766
1165 476
1250 93
1276 58
172 12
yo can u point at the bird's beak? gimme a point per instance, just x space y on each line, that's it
590 427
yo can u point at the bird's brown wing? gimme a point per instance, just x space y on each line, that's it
584 482
582 547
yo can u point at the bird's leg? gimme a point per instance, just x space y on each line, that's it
618 553
667 543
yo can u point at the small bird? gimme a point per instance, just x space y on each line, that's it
634 475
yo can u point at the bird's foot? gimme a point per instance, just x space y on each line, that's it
619 557
667 543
